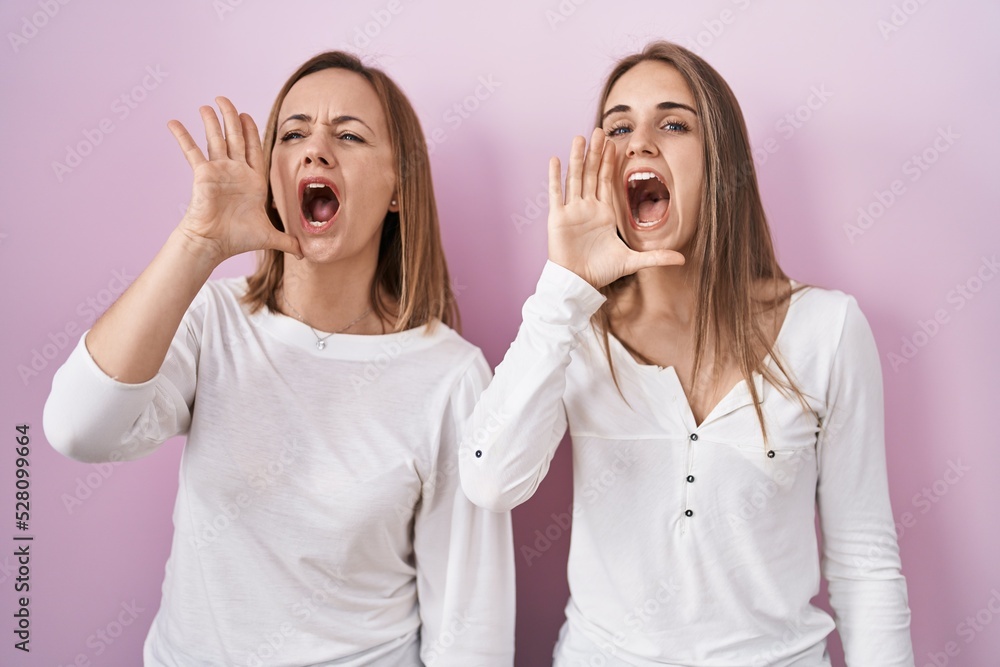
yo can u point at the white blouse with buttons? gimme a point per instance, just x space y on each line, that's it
696 544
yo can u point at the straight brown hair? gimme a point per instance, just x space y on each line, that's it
411 266
732 239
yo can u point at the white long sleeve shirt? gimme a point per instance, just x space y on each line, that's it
694 544
318 519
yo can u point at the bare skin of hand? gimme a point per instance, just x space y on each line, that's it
226 215
583 223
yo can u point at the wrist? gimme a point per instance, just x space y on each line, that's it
204 254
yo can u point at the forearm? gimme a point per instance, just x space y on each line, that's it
860 552
130 341
519 420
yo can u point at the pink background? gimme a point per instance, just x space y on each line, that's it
886 97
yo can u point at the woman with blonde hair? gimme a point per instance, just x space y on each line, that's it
714 405
318 519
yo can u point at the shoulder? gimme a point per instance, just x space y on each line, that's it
219 300
225 294
823 315
826 329
223 290
446 347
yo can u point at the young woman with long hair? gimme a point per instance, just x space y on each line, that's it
714 405
318 518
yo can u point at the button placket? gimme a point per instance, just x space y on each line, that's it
689 478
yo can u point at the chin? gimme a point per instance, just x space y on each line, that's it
663 237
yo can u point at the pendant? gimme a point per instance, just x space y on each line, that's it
320 344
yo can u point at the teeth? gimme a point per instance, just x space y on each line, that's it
316 185
641 176
316 223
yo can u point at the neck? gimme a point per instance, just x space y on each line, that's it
663 293
330 296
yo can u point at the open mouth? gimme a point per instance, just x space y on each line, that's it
648 199
319 203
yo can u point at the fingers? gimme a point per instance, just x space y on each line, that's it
235 148
192 153
251 136
241 140
555 184
593 164
606 174
213 133
574 175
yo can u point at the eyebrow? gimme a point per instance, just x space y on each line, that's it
662 106
336 121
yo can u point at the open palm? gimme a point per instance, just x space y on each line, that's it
583 224
230 187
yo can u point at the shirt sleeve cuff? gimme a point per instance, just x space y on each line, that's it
562 297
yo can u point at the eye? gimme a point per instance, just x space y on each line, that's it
350 136
291 134
676 126
618 129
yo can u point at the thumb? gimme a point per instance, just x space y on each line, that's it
283 242
636 260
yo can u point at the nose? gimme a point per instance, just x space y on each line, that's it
317 152
640 142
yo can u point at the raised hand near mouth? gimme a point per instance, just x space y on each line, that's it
226 213
226 217
583 221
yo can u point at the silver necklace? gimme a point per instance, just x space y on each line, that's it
321 342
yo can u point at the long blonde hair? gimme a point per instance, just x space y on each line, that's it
411 268
732 240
